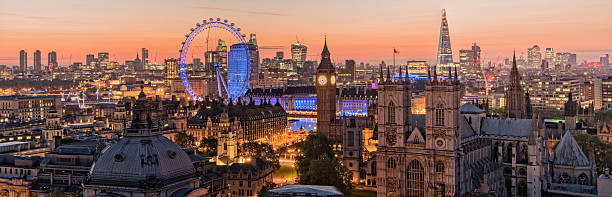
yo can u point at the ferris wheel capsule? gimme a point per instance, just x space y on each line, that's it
192 29
238 29
232 24
210 19
218 19
225 20
198 24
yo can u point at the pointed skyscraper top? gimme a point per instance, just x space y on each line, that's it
325 57
445 54
443 13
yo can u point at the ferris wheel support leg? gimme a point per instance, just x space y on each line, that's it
220 78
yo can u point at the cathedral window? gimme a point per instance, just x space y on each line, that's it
391 113
439 115
564 178
582 179
508 154
373 170
416 179
524 158
495 151
439 167
391 163
350 138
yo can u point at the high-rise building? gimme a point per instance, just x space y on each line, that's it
534 56
445 54
222 50
52 60
236 70
145 56
23 61
90 59
604 61
566 58
37 61
254 55
549 56
279 55
298 54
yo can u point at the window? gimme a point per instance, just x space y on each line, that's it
522 188
373 170
582 179
391 113
564 178
416 179
391 163
524 159
439 115
350 138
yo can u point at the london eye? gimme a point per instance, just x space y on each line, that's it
215 71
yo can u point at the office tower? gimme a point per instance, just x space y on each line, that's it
445 54
103 57
279 55
566 58
211 59
254 55
37 63
222 50
23 61
52 60
534 56
171 68
237 69
145 56
90 59
298 54
604 61
549 56
197 63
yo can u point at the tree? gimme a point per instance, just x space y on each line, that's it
208 147
602 150
185 140
318 165
262 150
267 186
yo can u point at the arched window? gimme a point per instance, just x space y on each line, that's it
391 163
391 113
373 170
495 153
582 179
439 115
524 158
508 154
439 167
416 179
564 178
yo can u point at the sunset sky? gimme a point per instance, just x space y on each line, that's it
361 30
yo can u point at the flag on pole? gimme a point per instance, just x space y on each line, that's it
395 51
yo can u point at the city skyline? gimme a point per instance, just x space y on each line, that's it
74 30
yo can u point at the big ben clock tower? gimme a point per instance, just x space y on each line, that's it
326 97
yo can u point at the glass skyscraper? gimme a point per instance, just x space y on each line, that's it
445 53
238 70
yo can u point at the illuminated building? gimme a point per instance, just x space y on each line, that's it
549 56
298 57
255 67
23 61
25 108
327 124
273 77
173 83
248 177
470 71
222 51
251 122
238 72
52 61
417 67
445 53
534 56
90 60
604 61
145 56
606 91
348 74
566 59
551 91
103 57
18 174
37 62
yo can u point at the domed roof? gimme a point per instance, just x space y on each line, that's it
143 158
146 162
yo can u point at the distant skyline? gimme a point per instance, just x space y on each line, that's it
360 30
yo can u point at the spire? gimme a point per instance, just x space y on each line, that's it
401 76
456 78
325 57
381 80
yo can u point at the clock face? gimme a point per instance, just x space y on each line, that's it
322 80
333 80
391 137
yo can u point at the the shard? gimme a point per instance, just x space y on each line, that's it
445 54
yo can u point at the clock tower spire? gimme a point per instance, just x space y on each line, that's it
326 97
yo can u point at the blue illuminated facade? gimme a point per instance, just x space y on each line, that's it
238 70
